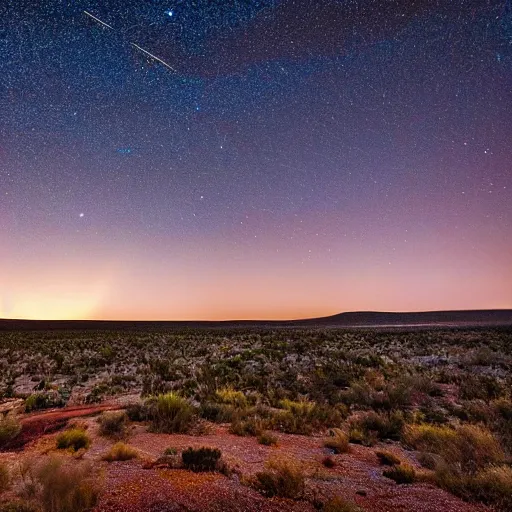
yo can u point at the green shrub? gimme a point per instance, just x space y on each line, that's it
170 413
468 447
337 441
75 438
403 474
120 452
387 458
170 451
368 428
10 427
65 488
283 478
247 425
231 397
267 438
218 413
305 417
201 459
113 424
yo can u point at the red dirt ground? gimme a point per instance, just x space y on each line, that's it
128 487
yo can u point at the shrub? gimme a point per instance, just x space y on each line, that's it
337 441
170 413
75 438
218 413
170 451
469 447
373 426
231 397
65 488
284 478
137 412
338 504
113 424
201 459
9 428
5 479
247 425
267 438
387 458
120 452
494 486
403 474
305 417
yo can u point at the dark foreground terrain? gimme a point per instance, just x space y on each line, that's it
254 418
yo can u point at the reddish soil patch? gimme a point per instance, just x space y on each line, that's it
37 424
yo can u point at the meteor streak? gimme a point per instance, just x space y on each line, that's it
153 57
98 20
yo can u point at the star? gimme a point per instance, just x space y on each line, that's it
81 215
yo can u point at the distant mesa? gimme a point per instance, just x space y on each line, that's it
351 320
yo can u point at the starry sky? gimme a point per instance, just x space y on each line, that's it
215 159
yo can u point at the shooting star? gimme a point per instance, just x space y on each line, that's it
98 20
153 57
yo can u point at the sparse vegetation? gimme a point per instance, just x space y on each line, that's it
201 459
387 458
267 438
283 478
9 428
66 488
113 424
120 452
444 393
402 474
74 439
170 413
337 441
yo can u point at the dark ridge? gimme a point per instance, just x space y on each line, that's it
370 319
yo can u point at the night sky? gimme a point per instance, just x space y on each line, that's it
217 159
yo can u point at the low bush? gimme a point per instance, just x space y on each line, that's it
267 438
201 459
65 488
337 441
120 452
74 438
372 426
170 413
218 413
468 447
493 485
387 458
10 427
305 417
231 397
402 474
283 478
113 424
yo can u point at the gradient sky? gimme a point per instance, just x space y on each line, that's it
301 157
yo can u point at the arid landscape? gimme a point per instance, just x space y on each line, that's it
253 418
